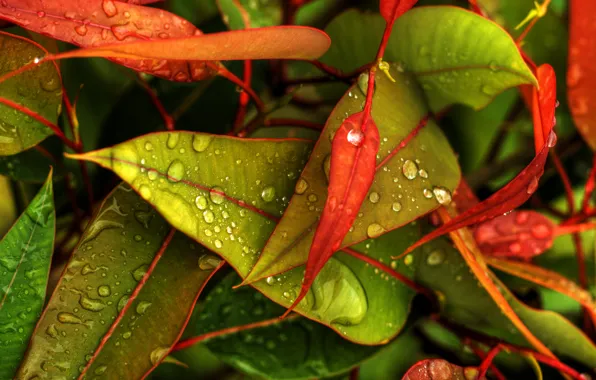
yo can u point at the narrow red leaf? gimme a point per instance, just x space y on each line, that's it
521 188
353 160
519 235
95 23
392 9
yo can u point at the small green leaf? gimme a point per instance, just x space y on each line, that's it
259 13
228 193
39 90
465 302
294 348
114 254
25 257
406 181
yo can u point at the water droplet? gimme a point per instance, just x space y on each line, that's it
487 90
374 197
145 192
442 195
532 186
201 202
81 29
138 273
408 260
552 139
217 195
148 146
327 166
218 244
427 193
69 318
152 174
493 65
355 137
208 216
201 142
158 354
374 230
423 173
435 257
410 169
396 206
100 370
122 302
172 141
270 280
142 307
176 171
312 197
208 262
104 290
127 335
301 186
52 331
363 82
91 304
268 194
109 8
515 247
138 238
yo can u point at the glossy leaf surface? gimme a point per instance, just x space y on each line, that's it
25 257
407 179
39 90
234 215
295 348
581 73
466 303
439 369
110 261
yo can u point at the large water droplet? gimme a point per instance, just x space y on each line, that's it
100 370
109 8
355 137
301 186
176 171
363 82
208 262
81 29
69 318
138 273
410 169
268 194
208 216
541 231
374 230
551 141
428 194
173 138
374 197
443 195
217 195
201 202
122 302
91 304
201 142
396 206
104 290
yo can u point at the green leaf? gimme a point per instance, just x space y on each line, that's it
25 257
294 348
403 187
218 190
457 56
32 165
259 13
39 90
94 296
465 302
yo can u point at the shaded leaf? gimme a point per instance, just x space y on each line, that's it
465 302
25 257
581 72
439 369
33 165
233 207
294 348
409 168
95 23
39 90
236 12
392 9
92 315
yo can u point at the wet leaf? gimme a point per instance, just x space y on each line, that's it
517 235
25 257
439 369
39 90
294 348
581 72
113 259
261 14
411 176
392 9
96 23
444 270
234 213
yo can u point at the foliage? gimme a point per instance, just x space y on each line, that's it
297 189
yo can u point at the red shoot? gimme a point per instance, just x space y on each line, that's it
353 160
392 9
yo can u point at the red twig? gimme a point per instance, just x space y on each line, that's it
167 118
230 330
222 71
355 373
589 188
244 97
482 355
565 179
488 360
131 299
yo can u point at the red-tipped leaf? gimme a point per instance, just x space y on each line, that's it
392 9
353 160
521 188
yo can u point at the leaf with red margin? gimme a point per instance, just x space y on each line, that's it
392 9
521 188
94 309
581 72
518 234
352 171
439 369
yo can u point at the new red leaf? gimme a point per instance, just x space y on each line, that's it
392 9
521 188
94 23
519 235
353 160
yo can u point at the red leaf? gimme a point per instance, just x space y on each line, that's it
581 73
521 188
353 160
95 23
439 369
392 9
519 235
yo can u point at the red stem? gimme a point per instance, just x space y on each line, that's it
589 188
167 118
244 97
482 355
222 71
566 182
488 360
131 299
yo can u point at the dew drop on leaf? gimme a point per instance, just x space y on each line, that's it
374 197
301 186
201 142
374 230
435 257
138 273
410 169
268 194
172 140
208 216
104 290
217 195
532 186
355 137
142 307
427 193
208 262
442 195
201 202
396 206
176 171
